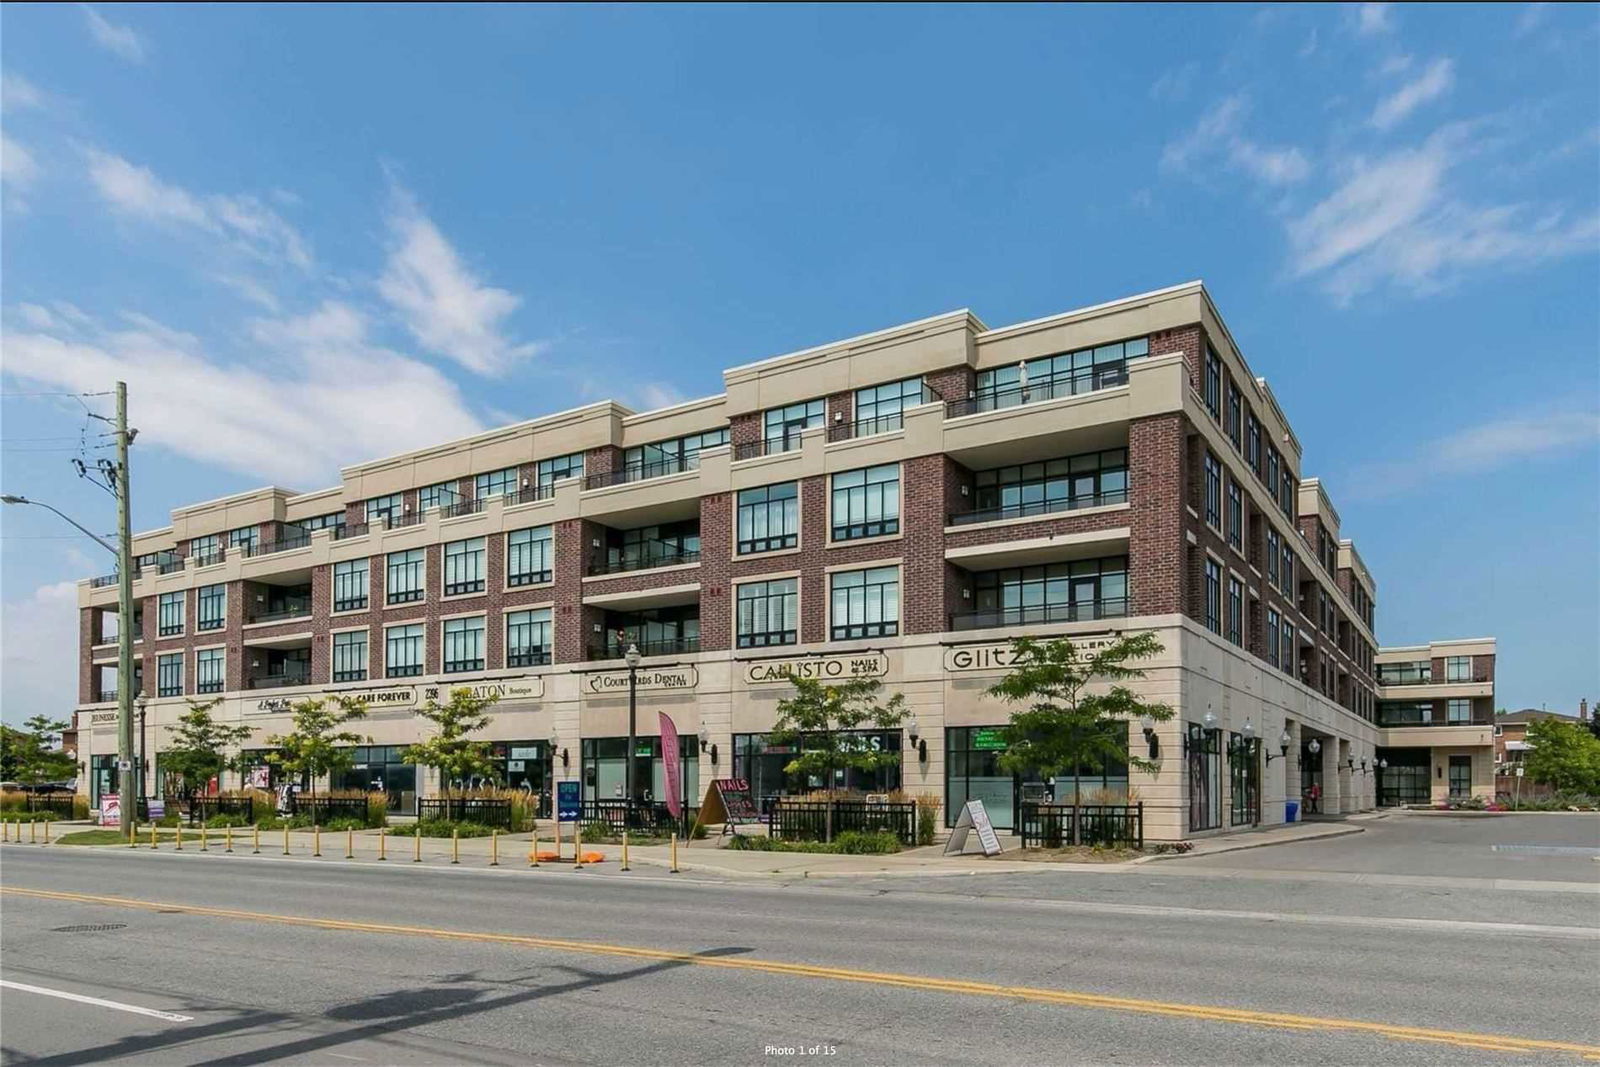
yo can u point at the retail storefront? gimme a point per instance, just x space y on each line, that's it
379 769
1403 779
972 772
761 762
605 769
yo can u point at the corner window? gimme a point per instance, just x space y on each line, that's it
767 613
866 603
463 644
530 556
866 503
464 567
1458 668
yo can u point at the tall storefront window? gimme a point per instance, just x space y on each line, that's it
605 769
1244 774
1205 778
1404 779
972 772
1460 777
379 769
761 763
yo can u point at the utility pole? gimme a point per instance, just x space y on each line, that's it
126 777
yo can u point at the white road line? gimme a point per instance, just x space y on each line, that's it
171 1017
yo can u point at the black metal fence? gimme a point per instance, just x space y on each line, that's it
807 820
485 811
1059 825
201 809
59 805
323 809
649 817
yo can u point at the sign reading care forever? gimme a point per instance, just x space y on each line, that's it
822 668
410 696
616 682
998 656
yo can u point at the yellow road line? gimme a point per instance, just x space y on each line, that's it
1499 1042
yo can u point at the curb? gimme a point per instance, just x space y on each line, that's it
1240 846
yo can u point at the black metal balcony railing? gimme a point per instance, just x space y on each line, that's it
287 609
206 559
645 561
1041 507
274 680
534 492
1475 720
638 472
1477 676
111 579
410 518
767 446
282 544
350 529
1074 383
1083 611
670 646
108 696
463 507
537 657
888 423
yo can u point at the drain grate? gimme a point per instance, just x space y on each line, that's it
89 928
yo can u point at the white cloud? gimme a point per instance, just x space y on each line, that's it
243 221
1396 220
1175 83
18 168
1531 18
1429 85
321 395
40 657
1491 445
1374 19
120 40
444 305
1218 132
19 94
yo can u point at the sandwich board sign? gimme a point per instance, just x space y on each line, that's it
110 809
973 817
728 801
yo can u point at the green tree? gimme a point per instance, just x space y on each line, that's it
1063 727
1564 755
819 720
318 744
456 755
12 742
197 746
32 755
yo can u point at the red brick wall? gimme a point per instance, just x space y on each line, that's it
953 383
1190 340
1155 518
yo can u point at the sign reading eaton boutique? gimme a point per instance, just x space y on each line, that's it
999 656
410 696
822 668
615 683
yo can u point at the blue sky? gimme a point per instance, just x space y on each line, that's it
312 235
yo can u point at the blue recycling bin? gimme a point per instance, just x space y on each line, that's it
1291 811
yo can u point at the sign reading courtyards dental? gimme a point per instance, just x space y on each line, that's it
615 683
410 696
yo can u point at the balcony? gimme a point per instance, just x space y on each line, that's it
845 431
463 507
1403 680
639 472
278 679
1083 611
531 494
298 607
350 529
171 566
106 579
284 543
767 446
670 646
1074 383
1037 509
662 556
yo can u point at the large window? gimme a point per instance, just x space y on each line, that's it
782 427
1235 610
169 675
767 613
769 518
1405 712
1271 475
1458 668
1232 420
880 408
556 468
1286 495
350 656
1213 581
210 671
1272 636
402 651
332 521
1414 672
866 603
866 502
666 545
1213 383
1205 778
1213 491
1065 374
1088 480
211 607
244 538
385 508
530 556
204 550
350 585
1252 443
761 762
1288 658
1458 711
404 579
439 495
495 483
1235 515
1286 570
1460 777
669 457
463 644
1273 550
169 614
1052 592
464 566
528 638
1244 773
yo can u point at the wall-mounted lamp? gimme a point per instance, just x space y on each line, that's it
1148 726
1283 747
1193 737
1210 719
838 416
913 731
922 751
1350 764
565 762
1314 746
713 755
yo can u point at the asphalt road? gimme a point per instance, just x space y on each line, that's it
274 960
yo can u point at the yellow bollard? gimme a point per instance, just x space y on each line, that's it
316 839
227 839
255 839
179 846
152 835
203 846
494 848
33 833
383 832
674 868
285 839
416 848
577 846
47 831
558 839
455 845
624 850
533 847
133 838
349 843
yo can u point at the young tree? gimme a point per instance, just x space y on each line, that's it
819 719
318 745
450 750
1565 755
1063 728
198 744
32 754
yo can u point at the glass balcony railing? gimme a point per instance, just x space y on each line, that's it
1036 508
1082 611
1073 383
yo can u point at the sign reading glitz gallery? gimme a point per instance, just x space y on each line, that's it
615 683
410 696
999 656
822 668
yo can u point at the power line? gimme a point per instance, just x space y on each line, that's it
8 396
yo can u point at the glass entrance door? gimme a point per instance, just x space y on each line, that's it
1460 777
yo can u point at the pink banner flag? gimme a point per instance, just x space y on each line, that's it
671 759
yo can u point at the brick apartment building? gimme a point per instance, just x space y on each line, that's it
896 505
